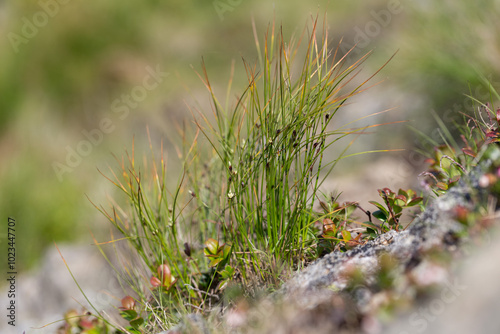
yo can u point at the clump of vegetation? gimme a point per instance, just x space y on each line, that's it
83 322
338 227
251 215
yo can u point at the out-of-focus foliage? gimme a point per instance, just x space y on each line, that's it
444 48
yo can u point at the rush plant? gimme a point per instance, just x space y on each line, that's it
243 210
271 147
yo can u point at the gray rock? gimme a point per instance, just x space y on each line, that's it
45 294
313 289
193 324
468 304
429 230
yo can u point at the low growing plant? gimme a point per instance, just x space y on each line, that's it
390 213
83 323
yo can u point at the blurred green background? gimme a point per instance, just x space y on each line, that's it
65 67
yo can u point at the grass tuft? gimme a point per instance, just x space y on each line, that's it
244 211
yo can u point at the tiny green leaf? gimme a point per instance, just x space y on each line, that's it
380 207
371 231
380 215
137 323
397 210
211 247
442 185
215 262
128 315
415 201
347 235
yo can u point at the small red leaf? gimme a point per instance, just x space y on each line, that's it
401 198
388 191
461 214
492 134
469 152
430 161
165 274
128 303
155 282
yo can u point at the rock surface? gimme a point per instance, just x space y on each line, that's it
44 295
431 229
470 304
